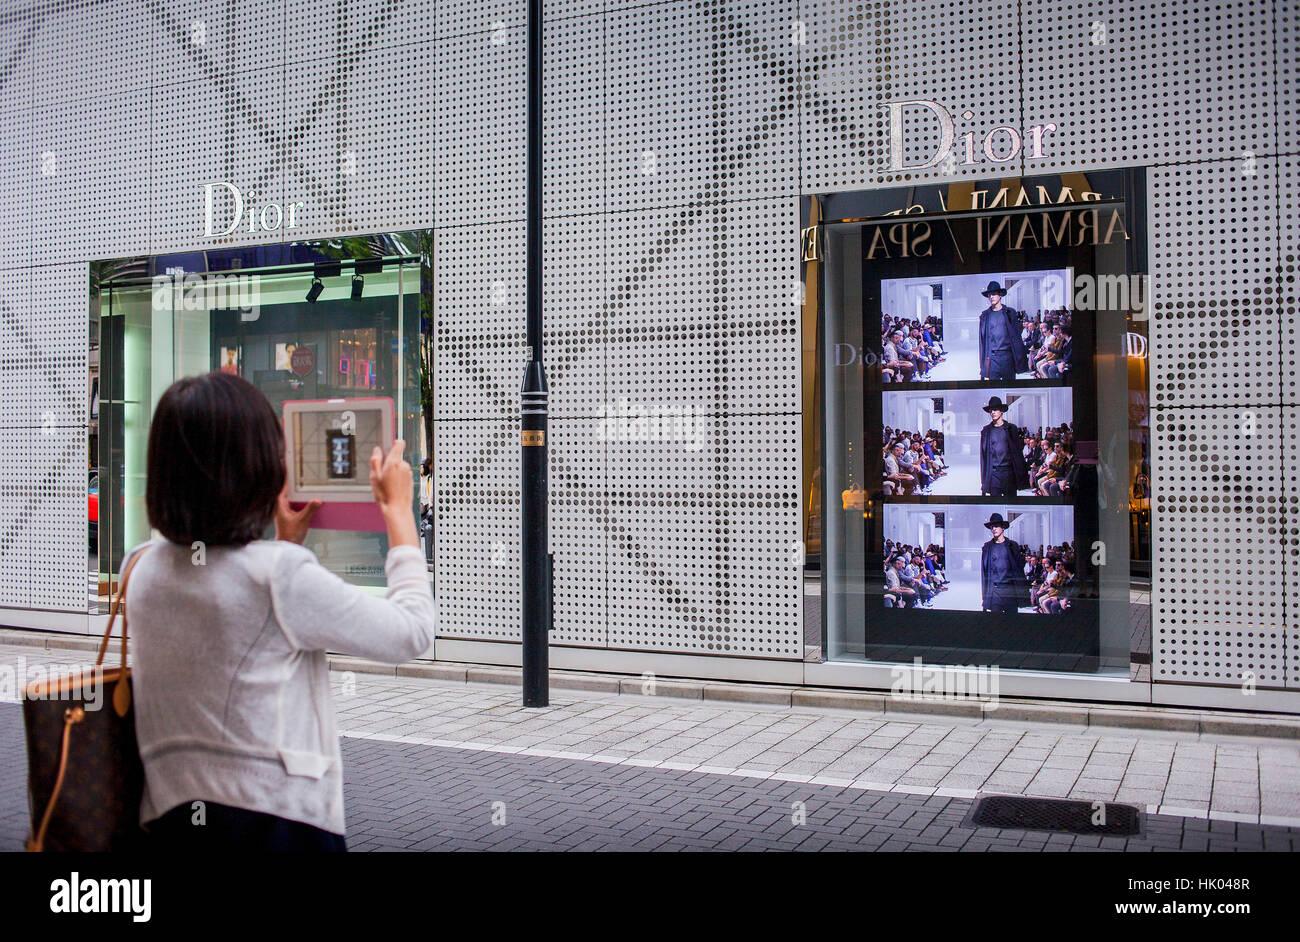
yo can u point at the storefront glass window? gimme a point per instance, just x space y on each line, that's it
294 336
982 442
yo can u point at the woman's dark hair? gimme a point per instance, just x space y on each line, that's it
215 463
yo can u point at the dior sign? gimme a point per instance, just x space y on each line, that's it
999 145
245 212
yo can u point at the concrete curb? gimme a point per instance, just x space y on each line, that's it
594 683
747 693
936 707
450 672
1100 716
813 698
492 675
49 640
360 665
640 687
1036 713
1218 724
1146 719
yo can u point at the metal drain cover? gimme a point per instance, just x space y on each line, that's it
1022 813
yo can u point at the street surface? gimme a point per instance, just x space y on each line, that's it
433 765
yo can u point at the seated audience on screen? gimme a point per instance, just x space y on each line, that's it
913 577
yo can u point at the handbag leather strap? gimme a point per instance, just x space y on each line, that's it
119 603
71 717
74 715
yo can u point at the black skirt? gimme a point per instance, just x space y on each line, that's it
224 828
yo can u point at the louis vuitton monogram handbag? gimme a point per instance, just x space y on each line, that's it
84 775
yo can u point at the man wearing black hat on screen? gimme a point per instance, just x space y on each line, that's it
1002 571
1002 352
1002 459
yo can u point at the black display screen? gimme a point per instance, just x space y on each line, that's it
980 426
342 454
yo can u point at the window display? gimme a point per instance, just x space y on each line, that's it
976 436
290 348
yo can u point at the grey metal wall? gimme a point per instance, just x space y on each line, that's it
679 136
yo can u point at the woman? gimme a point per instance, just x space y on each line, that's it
232 692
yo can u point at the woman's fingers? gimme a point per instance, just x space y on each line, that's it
307 510
384 467
376 474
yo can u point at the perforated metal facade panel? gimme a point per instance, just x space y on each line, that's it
479 320
54 379
862 55
479 147
573 123
1214 287
575 315
700 102
1288 280
1291 543
679 135
702 538
79 51
16 161
337 31
16 34
360 164
210 132
1217 509
1132 82
15 530
476 483
456 17
43 437
90 192
198 40
15 346
703 306
579 514
55 518
1289 304
1286 21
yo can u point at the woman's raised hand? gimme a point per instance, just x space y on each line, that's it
390 479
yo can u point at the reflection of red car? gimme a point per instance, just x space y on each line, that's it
92 511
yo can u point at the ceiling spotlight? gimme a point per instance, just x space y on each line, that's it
357 283
314 291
